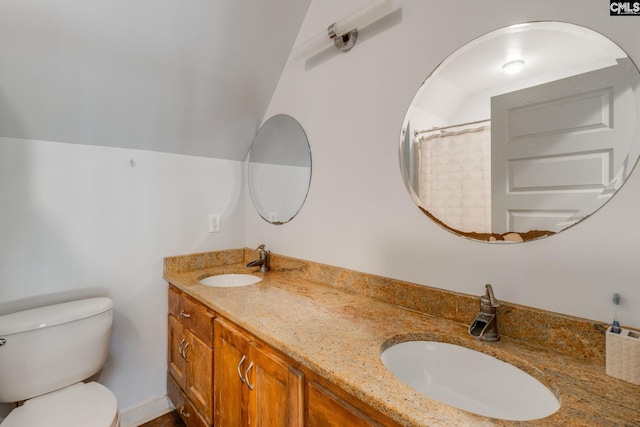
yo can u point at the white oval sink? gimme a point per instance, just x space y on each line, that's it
470 380
230 280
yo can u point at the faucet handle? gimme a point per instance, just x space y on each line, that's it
489 298
260 248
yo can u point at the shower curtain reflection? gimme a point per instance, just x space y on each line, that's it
455 176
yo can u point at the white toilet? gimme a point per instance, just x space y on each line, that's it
45 354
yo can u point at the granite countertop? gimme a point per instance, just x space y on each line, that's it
340 336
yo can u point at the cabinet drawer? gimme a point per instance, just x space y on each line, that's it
193 315
184 408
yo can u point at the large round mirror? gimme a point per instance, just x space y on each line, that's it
523 132
279 170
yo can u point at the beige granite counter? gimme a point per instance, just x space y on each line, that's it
330 326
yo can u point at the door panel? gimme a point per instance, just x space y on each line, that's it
276 398
229 403
329 410
177 364
200 382
557 146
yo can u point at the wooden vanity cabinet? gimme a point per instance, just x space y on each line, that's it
254 385
190 359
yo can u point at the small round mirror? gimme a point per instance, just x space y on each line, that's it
279 171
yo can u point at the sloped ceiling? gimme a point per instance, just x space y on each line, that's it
181 76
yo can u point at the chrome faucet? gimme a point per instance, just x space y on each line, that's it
485 325
263 261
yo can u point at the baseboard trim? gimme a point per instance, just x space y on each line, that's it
146 412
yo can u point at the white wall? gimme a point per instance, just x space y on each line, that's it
79 220
358 214
161 75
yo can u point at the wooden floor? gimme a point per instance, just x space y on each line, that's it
172 419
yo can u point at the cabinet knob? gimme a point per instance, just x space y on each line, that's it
185 315
184 413
180 348
239 365
184 352
246 376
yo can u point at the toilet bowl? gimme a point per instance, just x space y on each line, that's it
80 405
45 355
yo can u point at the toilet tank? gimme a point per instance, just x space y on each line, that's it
48 348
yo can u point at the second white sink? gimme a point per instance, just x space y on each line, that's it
470 380
230 280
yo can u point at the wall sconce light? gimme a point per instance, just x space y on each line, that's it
343 33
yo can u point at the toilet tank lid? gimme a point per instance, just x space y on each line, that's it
52 315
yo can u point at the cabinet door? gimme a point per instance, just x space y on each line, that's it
177 365
199 387
230 362
275 390
329 410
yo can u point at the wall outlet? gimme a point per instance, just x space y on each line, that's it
214 223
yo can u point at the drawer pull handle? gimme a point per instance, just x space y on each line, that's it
185 315
184 413
239 365
184 352
246 376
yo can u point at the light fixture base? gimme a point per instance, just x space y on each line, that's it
344 42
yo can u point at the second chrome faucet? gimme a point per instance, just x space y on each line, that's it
485 325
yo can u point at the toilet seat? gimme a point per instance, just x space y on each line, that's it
80 405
